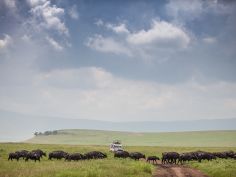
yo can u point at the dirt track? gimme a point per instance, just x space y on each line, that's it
168 170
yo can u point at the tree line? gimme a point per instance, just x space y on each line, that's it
46 133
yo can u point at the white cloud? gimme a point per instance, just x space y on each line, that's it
99 22
73 12
107 45
209 40
10 4
159 41
161 33
36 2
26 38
49 17
184 9
54 44
120 28
94 93
5 42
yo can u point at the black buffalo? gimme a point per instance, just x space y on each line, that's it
224 155
74 156
13 155
136 155
170 157
22 153
186 157
229 154
153 159
39 152
95 155
121 154
202 155
57 155
33 156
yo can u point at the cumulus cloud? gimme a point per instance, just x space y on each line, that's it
47 19
183 11
99 22
54 43
5 42
36 2
146 44
94 93
161 33
120 28
117 28
73 12
107 45
48 16
10 4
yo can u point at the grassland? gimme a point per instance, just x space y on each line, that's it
176 139
109 167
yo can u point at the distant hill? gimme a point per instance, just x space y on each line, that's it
98 137
18 127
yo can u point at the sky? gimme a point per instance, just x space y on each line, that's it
128 60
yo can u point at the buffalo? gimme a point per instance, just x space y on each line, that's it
74 156
169 157
202 155
13 155
186 157
95 155
39 152
33 156
153 159
136 155
121 154
22 153
224 155
57 155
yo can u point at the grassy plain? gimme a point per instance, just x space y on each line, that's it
176 139
109 167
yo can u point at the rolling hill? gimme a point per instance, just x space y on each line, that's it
98 137
18 127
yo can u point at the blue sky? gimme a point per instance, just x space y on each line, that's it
118 60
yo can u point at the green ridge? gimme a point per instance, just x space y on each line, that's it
98 137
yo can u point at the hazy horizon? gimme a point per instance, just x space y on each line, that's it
19 127
117 61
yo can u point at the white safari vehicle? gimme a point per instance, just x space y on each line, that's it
116 146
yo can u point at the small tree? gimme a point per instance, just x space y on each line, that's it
40 133
54 132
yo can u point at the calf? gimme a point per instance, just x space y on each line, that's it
153 159
13 155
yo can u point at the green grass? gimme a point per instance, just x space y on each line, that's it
95 137
217 168
109 167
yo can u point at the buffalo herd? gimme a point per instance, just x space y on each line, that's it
36 155
174 157
167 157
26 155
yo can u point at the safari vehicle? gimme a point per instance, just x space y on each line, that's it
116 146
